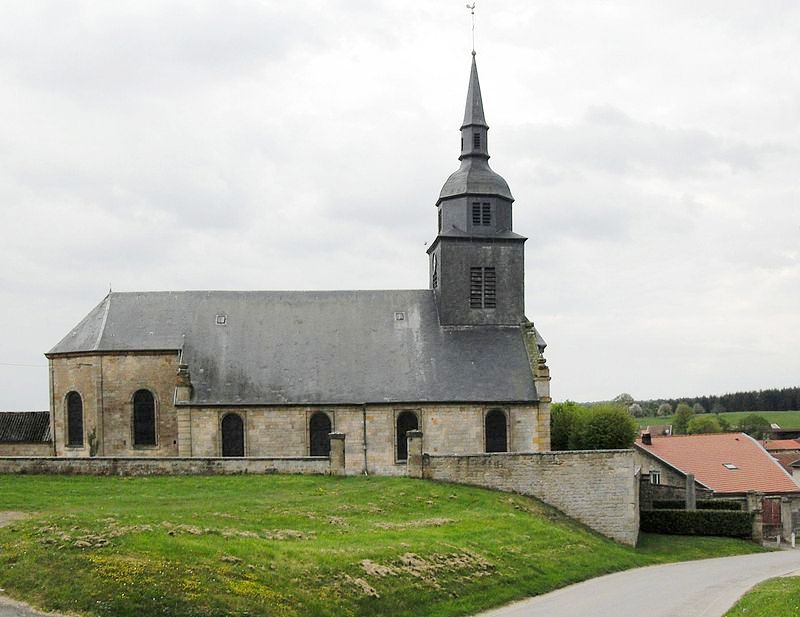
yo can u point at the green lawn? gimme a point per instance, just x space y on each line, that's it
778 597
786 419
297 545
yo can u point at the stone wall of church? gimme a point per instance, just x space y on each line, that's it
39 448
107 384
284 431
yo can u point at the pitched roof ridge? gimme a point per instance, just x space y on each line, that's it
102 329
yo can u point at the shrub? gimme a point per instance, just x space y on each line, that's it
562 421
758 427
697 523
703 424
603 427
702 504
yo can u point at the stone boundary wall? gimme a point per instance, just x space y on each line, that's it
147 466
598 488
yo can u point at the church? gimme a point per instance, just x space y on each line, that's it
274 373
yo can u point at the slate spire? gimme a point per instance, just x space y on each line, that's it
473 114
474 129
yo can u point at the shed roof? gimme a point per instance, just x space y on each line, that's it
781 444
706 456
313 347
24 426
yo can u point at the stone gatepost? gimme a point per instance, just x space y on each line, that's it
337 454
754 506
786 518
414 462
691 492
541 381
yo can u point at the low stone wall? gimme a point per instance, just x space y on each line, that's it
598 488
145 466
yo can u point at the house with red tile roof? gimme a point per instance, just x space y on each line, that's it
729 464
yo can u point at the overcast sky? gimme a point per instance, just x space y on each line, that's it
653 149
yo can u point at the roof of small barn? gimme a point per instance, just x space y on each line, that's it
313 347
24 426
724 462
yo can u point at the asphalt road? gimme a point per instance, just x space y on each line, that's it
706 588
10 608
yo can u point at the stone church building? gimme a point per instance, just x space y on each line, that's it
273 373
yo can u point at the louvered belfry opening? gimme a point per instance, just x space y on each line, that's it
406 421
482 288
144 418
74 419
232 435
496 431
319 428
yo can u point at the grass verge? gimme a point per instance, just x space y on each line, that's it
297 545
777 597
786 419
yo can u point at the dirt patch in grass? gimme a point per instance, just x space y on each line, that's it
425 522
8 516
431 568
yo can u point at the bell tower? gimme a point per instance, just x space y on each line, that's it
477 269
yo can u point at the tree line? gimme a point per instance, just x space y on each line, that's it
772 399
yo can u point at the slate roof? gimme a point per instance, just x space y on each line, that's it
24 426
705 456
313 347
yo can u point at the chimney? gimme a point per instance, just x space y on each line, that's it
647 440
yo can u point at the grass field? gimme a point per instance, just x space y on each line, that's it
778 597
786 419
297 545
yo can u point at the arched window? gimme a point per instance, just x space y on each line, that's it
74 419
496 431
406 421
144 418
319 429
232 435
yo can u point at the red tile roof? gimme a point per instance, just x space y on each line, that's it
782 444
705 456
786 458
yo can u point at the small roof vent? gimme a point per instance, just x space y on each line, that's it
729 466
399 316
221 319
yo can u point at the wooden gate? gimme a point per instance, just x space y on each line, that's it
771 516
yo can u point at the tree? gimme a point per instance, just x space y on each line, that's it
623 399
723 423
636 410
683 413
758 427
562 421
664 409
703 424
697 408
602 427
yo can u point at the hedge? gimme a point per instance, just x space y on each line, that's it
702 504
698 522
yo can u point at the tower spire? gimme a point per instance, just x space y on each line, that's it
473 113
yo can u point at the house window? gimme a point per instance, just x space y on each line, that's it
482 288
496 431
406 421
232 429
476 140
476 213
144 418
730 466
319 431
655 476
74 420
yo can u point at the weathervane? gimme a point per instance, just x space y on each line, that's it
471 8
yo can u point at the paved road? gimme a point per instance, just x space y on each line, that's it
10 608
706 588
